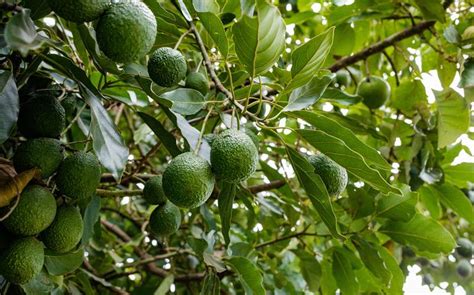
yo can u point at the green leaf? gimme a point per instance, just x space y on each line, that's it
315 189
460 174
310 269
38 8
332 127
422 233
309 58
338 151
371 257
397 207
467 75
344 37
343 273
163 135
165 286
341 97
42 284
249 275
429 198
206 6
225 201
413 89
20 33
307 95
211 285
452 35
215 28
398 278
453 116
60 264
446 72
260 40
9 105
91 216
107 142
431 9
453 198
185 11
192 136
185 101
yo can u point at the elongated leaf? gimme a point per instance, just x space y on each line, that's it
467 75
192 135
60 264
422 233
211 285
225 201
206 6
453 116
14 186
397 207
398 278
347 158
165 286
309 58
249 275
260 40
429 198
185 11
431 9
460 174
9 104
108 145
185 101
165 137
372 157
307 95
310 269
20 33
215 29
344 274
453 198
341 97
373 260
315 189
91 216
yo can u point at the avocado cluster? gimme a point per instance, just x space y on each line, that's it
189 179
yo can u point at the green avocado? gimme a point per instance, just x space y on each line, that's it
165 219
43 153
65 232
333 175
78 176
198 81
234 156
343 78
188 181
41 116
22 260
79 11
153 191
464 248
375 92
126 31
167 67
464 268
34 213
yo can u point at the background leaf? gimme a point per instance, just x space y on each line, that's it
250 276
225 202
453 116
9 105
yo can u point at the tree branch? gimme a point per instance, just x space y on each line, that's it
118 193
266 186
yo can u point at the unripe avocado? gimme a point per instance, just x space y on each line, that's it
126 31
153 191
43 153
198 81
22 260
65 232
165 219
34 213
188 181
464 268
343 78
167 67
333 175
464 248
79 11
234 156
79 175
41 116
375 91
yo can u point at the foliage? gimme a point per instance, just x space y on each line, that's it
271 70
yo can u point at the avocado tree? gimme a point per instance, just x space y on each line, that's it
235 147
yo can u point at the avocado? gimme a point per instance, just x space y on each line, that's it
153 191
375 92
43 153
198 81
41 116
22 260
65 232
79 11
333 175
165 219
167 67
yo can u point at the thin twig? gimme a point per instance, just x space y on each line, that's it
394 68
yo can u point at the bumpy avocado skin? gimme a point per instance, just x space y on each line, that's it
375 91
234 156
198 81
188 181
22 260
41 116
126 31
167 67
333 175
464 248
43 153
79 11
153 191
165 219
65 232
79 175
464 268
33 214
